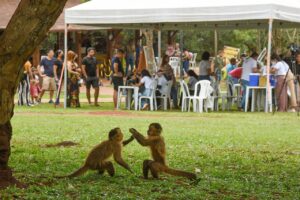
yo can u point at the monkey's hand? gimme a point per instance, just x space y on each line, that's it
133 131
125 142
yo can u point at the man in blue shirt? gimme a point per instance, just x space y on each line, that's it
47 73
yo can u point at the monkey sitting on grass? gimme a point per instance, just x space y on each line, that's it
97 159
158 151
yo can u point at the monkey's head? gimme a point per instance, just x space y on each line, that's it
115 135
155 129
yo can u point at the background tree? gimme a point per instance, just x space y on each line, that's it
26 30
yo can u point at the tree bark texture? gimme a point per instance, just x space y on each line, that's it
25 31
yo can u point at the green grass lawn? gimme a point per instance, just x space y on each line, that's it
239 156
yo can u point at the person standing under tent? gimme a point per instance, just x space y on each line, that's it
118 74
285 80
170 50
243 57
205 67
57 69
249 66
130 57
167 70
24 85
47 64
91 74
177 50
138 50
231 66
297 77
217 66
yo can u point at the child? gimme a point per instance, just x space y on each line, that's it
35 89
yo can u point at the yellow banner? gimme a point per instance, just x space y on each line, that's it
231 52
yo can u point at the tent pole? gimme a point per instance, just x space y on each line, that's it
216 42
159 46
65 65
269 97
181 63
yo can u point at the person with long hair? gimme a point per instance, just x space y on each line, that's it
167 70
145 86
58 65
74 72
205 67
24 85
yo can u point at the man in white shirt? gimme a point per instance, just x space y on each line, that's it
249 66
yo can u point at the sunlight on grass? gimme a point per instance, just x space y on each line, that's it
239 156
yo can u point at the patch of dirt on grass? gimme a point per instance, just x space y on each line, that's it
62 144
110 113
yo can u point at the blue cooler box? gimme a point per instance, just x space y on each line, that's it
272 80
254 79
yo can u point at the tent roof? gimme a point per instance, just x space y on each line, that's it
8 7
179 14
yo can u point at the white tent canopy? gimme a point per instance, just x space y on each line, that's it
186 15
177 14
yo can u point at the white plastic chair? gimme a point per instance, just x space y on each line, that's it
202 93
193 60
151 98
186 97
230 97
121 94
167 96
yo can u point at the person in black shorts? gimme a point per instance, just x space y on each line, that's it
118 74
91 75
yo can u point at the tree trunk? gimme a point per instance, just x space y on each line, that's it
111 43
25 31
149 37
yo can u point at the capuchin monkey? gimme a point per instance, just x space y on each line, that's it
97 159
158 151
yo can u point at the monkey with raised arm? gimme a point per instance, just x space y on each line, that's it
97 159
158 151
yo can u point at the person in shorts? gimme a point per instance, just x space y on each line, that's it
48 76
118 74
91 74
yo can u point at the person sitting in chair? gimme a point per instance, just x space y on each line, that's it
145 88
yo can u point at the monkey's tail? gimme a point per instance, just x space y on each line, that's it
176 172
78 172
